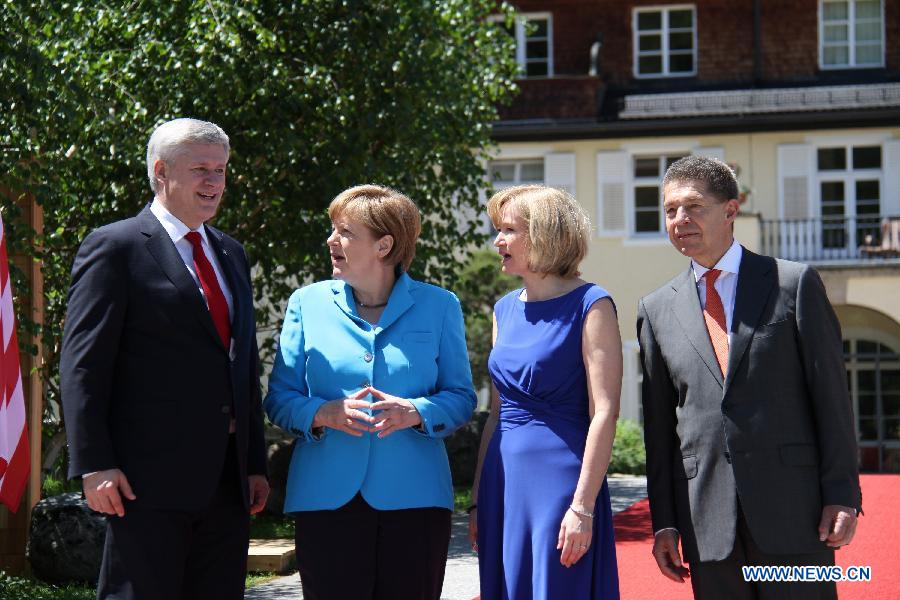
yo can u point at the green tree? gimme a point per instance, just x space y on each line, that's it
480 284
316 95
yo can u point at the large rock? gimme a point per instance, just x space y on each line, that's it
66 541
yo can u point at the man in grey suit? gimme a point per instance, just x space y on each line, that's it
751 445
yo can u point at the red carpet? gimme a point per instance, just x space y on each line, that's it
877 544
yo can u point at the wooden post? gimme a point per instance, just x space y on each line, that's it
14 527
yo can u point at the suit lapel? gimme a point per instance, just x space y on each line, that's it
229 269
160 246
755 283
689 315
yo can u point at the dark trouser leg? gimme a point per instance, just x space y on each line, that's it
412 553
216 565
716 580
144 555
336 551
724 579
189 555
788 590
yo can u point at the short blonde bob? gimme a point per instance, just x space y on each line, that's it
558 228
385 212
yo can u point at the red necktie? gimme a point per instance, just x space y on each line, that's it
714 315
215 299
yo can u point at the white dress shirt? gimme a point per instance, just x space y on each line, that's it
726 283
177 230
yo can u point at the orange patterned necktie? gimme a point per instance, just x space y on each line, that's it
714 315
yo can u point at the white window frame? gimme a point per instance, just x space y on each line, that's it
517 171
851 39
848 176
664 41
636 182
520 35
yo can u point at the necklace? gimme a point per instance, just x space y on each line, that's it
362 305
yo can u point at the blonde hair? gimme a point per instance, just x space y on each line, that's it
558 228
383 211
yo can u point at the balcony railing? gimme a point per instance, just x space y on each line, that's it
834 239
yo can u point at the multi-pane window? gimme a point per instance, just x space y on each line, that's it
533 33
850 195
851 33
648 175
873 377
665 41
506 173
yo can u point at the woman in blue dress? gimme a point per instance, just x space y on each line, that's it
542 522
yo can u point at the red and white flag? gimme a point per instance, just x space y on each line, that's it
14 455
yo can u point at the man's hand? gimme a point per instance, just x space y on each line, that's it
102 490
344 415
259 492
838 525
665 551
396 413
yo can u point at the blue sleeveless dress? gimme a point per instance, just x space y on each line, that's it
534 458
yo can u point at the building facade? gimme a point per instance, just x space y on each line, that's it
801 98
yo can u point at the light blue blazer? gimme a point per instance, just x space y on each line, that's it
416 351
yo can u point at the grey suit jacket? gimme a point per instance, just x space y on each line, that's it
776 433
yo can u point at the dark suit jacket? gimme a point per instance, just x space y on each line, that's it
147 385
777 433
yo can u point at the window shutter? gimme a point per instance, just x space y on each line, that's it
795 169
890 204
711 152
797 234
559 171
613 179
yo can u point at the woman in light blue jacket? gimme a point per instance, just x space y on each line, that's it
371 373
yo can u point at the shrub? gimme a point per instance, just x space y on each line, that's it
628 454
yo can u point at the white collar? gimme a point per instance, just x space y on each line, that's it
173 226
729 263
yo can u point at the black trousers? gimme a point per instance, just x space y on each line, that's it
359 553
180 555
715 580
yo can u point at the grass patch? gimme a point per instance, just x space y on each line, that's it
255 579
21 588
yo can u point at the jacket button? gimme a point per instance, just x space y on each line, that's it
368 357
226 410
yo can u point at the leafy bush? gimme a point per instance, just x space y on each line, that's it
628 454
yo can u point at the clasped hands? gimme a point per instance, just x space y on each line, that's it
346 414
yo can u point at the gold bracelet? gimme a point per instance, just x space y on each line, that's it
581 512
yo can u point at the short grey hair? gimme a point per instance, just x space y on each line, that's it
171 135
718 177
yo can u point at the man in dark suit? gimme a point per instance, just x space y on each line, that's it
160 383
751 445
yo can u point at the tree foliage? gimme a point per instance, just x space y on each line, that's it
316 95
479 285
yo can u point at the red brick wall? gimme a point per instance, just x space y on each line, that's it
724 36
790 36
892 34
